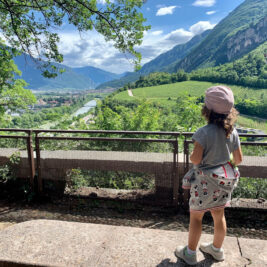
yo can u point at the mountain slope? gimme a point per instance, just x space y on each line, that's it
250 70
241 31
164 62
33 76
97 75
167 60
73 78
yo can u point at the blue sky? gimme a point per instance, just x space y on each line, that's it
172 22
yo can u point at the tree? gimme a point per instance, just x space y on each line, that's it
12 92
29 25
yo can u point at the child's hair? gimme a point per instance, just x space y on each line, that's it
225 121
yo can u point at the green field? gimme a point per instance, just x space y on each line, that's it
252 122
167 94
194 88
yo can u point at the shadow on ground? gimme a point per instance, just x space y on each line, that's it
245 223
207 262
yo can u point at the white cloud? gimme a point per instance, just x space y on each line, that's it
179 36
210 12
206 3
103 2
157 32
90 49
200 27
166 10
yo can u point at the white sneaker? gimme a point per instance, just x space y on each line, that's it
181 252
207 248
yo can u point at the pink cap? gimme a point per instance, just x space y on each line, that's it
220 99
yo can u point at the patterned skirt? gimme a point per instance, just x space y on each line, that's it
210 188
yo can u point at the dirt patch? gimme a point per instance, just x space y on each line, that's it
138 195
244 223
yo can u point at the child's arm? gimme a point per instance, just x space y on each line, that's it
197 154
237 156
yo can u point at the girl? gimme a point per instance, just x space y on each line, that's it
213 177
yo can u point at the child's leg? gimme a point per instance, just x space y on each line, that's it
195 229
219 227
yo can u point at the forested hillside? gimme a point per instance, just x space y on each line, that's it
250 70
165 62
240 32
73 78
96 75
36 81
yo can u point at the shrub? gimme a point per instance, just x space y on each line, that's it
7 172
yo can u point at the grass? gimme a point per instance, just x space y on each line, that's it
252 122
167 94
194 88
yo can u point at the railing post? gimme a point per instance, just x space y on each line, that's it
31 159
38 159
186 168
184 153
175 173
187 156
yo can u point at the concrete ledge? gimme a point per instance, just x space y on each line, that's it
58 243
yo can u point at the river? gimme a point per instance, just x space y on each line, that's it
91 104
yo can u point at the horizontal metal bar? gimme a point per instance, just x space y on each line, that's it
16 130
242 143
117 132
253 143
106 139
240 134
108 132
14 136
176 134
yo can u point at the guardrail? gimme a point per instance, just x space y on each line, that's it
174 142
28 139
188 142
170 138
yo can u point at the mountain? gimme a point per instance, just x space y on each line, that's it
98 76
240 32
167 61
250 70
33 76
73 78
128 78
164 62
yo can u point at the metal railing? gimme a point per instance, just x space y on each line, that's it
174 142
188 142
28 139
35 170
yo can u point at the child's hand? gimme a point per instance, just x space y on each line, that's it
232 161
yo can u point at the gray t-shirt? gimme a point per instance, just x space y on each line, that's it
217 147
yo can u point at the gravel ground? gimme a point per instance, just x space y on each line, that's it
245 223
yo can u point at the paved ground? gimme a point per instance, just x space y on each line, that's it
4 225
58 243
